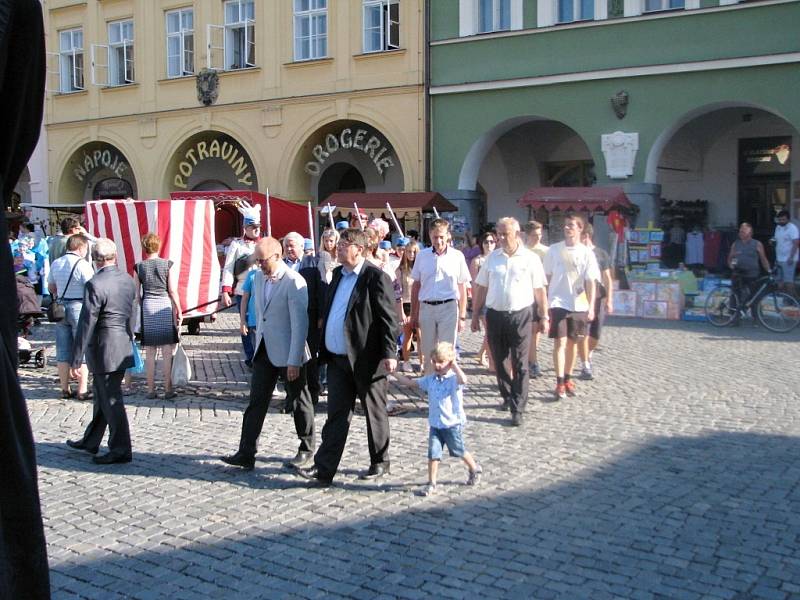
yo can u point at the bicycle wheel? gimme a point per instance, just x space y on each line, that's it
722 306
778 312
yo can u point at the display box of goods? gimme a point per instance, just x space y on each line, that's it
710 282
674 311
669 292
654 309
694 314
644 290
625 303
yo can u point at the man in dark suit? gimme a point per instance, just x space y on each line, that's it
104 335
359 333
280 349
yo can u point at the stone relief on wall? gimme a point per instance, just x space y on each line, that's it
619 149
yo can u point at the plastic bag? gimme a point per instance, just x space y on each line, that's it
181 367
138 361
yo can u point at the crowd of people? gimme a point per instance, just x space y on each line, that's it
343 322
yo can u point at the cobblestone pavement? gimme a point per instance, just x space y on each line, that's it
673 475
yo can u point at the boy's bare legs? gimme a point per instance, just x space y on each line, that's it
433 470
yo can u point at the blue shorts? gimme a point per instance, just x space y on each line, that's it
450 437
65 330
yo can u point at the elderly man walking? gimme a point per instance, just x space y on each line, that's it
511 284
439 292
280 349
104 335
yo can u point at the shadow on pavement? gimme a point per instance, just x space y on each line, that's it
713 516
746 331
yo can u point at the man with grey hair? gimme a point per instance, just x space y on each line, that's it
104 336
293 254
509 281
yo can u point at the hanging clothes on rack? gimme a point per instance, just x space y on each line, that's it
694 248
711 245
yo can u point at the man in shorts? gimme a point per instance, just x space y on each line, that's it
572 270
603 303
787 243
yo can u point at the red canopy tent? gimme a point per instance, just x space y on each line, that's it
285 216
591 199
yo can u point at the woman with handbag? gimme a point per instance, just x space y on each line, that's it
160 311
65 282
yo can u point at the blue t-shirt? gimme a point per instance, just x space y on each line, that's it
251 303
445 400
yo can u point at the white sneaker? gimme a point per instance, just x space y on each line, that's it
405 367
428 490
586 372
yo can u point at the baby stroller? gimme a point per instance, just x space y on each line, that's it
29 313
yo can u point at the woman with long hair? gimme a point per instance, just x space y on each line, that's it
327 254
488 243
160 310
404 282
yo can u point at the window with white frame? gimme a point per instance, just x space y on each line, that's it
575 10
310 29
494 15
70 60
654 5
120 52
180 42
381 25
240 34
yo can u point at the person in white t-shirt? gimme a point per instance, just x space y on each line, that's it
787 241
533 240
572 271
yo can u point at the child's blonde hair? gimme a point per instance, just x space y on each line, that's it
444 351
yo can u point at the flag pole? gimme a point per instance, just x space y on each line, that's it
311 228
358 214
269 217
330 217
394 219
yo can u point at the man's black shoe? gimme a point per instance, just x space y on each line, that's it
81 446
240 460
313 475
375 471
110 459
517 420
301 459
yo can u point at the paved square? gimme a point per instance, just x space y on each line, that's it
673 475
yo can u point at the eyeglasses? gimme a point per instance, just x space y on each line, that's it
489 242
261 261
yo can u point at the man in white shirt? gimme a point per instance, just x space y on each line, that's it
572 271
533 240
511 283
787 240
439 292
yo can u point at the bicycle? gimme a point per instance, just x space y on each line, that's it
775 310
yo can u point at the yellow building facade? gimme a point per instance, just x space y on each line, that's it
301 97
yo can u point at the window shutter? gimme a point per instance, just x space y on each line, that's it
215 44
99 64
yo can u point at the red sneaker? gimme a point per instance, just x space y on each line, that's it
569 387
561 392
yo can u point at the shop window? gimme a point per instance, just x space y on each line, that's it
180 42
310 29
70 59
112 64
381 25
575 10
232 46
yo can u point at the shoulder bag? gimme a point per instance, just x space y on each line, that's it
56 311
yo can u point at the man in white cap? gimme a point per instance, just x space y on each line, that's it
239 260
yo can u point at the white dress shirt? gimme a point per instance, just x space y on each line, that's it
511 279
440 275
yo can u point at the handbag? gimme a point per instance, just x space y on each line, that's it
181 367
138 361
56 312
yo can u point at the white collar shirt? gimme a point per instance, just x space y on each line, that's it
510 280
440 275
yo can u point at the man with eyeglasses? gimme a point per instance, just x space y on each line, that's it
359 345
280 349
510 283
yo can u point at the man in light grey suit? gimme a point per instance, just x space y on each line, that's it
280 348
104 335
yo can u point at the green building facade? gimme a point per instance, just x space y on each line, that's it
674 100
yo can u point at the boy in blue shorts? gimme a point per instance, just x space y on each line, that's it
446 415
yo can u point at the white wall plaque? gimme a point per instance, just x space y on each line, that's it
619 150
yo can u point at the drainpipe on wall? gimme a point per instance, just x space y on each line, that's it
426 91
